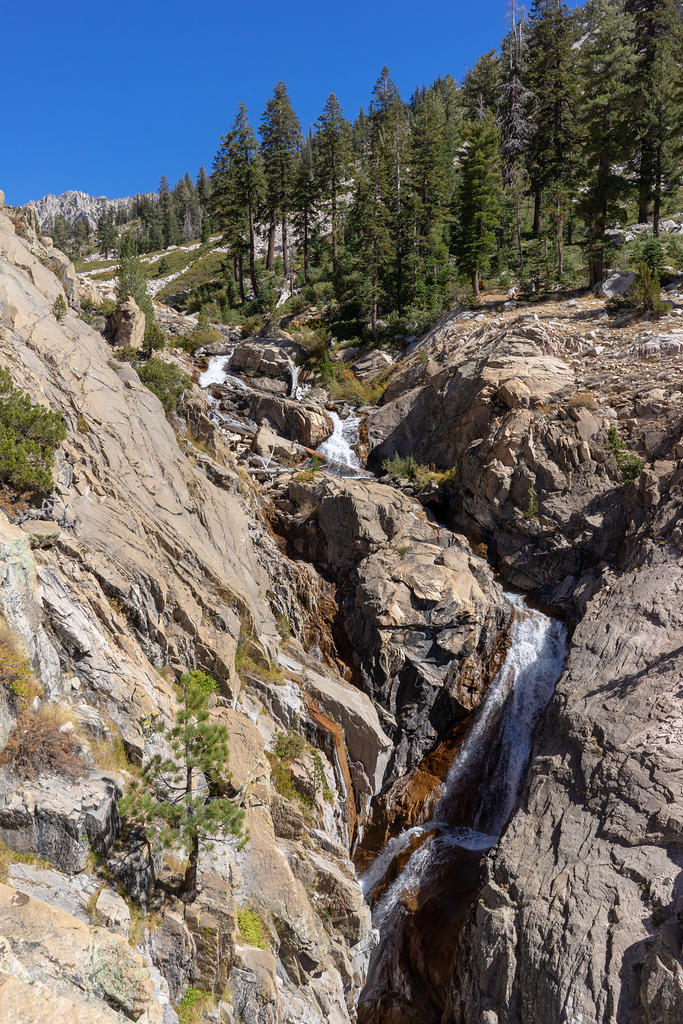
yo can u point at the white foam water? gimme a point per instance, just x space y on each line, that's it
217 372
338 449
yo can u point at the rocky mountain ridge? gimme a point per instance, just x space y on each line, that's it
75 205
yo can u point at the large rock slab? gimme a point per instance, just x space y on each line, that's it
304 422
424 618
49 959
60 821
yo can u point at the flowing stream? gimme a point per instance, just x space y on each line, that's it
338 449
490 765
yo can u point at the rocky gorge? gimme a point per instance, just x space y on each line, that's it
382 682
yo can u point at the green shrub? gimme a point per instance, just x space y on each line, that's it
644 294
193 1006
251 928
284 627
165 380
59 307
29 434
628 463
651 252
163 267
532 503
155 338
16 674
400 466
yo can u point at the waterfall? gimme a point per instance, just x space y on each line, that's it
515 701
217 373
338 449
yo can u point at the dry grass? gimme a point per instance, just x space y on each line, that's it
40 745
583 400
16 675
9 857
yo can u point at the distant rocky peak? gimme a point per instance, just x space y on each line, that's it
75 205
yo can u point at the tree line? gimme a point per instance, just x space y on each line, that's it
571 125
518 171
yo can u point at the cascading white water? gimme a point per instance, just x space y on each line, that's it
518 696
217 372
338 449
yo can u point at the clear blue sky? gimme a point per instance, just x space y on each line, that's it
107 97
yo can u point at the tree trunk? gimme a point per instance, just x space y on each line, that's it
190 879
538 198
645 185
335 254
657 189
559 234
270 255
252 262
240 279
285 252
518 236
475 282
305 248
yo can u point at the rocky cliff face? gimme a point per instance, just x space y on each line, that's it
74 205
155 569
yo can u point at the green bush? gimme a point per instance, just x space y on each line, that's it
59 307
251 928
155 338
628 462
29 434
643 295
165 380
194 1005
651 252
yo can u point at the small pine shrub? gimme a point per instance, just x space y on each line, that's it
29 434
628 463
155 338
644 295
59 307
165 380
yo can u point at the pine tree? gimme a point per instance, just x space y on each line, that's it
106 234
237 186
280 141
482 85
178 801
513 118
370 230
131 280
305 195
478 203
552 81
170 227
390 140
429 189
607 59
657 102
333 145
